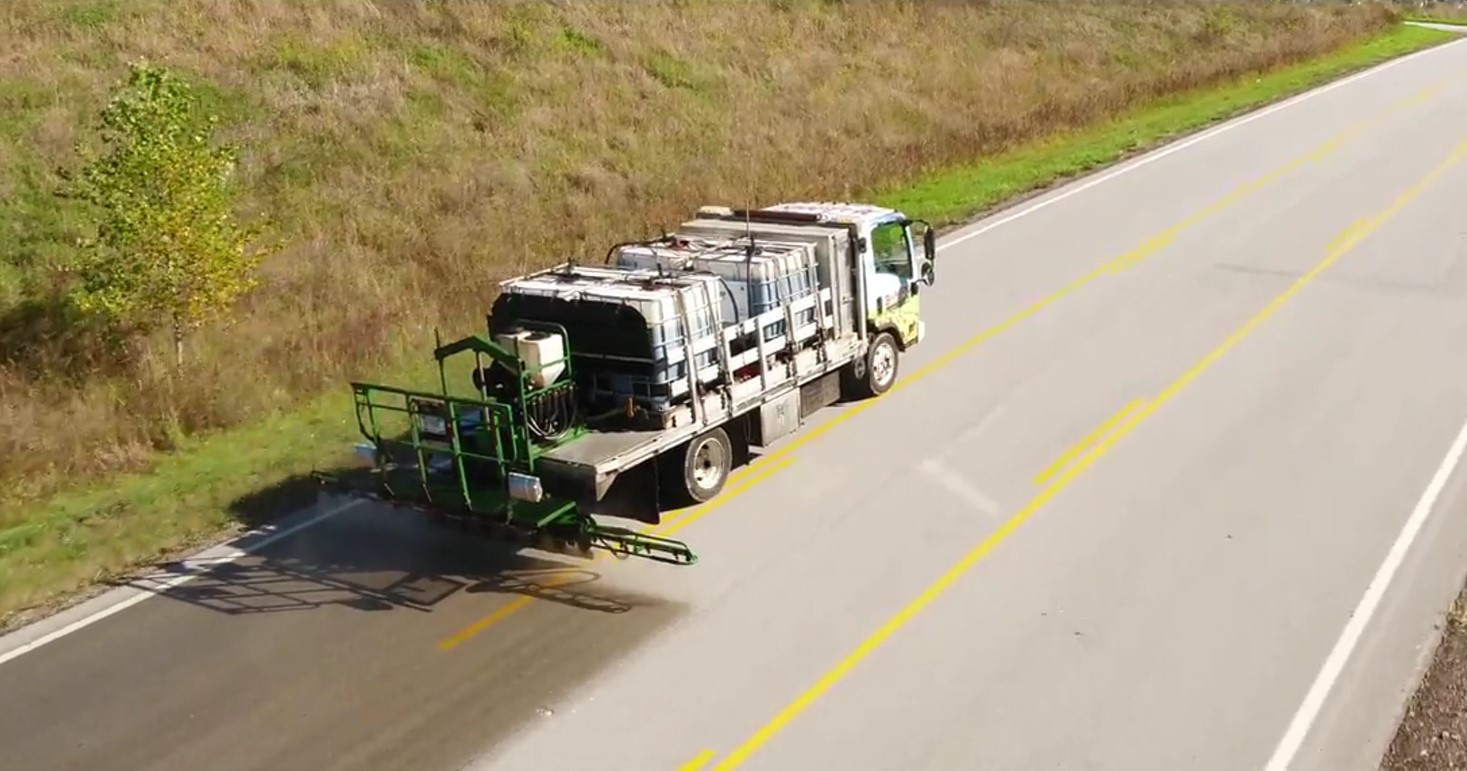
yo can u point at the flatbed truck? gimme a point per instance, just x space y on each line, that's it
628 388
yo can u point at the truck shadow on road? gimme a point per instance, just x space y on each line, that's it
374 558
359 607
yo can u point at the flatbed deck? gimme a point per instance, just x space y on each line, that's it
603 448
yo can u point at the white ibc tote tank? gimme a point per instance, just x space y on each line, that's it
537 347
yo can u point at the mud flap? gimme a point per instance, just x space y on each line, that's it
631 494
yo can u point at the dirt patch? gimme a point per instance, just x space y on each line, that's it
1433 733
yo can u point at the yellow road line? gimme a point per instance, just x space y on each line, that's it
1151 245
736 483
747 477
1081 445
1146 249
1328 148
464 635
699 761
766 470
1341 246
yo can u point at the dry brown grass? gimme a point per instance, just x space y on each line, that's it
411 154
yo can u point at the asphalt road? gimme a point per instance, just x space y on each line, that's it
1281 305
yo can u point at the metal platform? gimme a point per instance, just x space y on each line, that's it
607 451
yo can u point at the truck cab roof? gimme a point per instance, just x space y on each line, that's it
858 214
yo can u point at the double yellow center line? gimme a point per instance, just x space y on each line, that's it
1336 249
1100 431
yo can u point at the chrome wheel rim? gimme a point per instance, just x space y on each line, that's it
708 464
883 364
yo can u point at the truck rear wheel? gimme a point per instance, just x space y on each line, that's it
707 460
875 374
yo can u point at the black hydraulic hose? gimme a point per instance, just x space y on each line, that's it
551 416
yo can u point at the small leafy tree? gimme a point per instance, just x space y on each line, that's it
167 249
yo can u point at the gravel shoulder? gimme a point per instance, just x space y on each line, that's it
1432 731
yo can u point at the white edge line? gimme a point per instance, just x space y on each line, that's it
1308 711
1150 157
1167 150
265 535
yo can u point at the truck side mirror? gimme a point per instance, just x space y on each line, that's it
929 245
923 268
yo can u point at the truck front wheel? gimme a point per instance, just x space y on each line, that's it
706 462
877 372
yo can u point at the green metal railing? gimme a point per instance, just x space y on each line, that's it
470 469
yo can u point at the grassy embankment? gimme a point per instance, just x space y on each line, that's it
410 157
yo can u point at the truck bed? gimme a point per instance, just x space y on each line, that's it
601 447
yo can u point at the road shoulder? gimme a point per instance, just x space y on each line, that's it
1432 731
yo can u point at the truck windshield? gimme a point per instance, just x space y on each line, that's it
891 250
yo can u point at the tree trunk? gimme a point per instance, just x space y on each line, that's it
177 344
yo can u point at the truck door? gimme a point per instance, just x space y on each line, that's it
889 267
